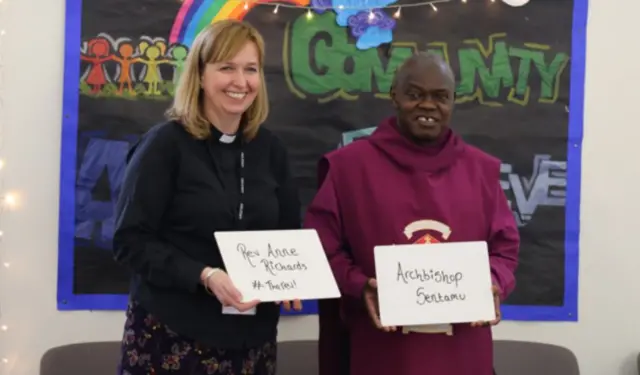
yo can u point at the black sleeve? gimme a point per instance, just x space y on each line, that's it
288 198
146 193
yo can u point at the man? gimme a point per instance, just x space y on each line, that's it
412 170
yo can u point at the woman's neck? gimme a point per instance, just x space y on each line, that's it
225 124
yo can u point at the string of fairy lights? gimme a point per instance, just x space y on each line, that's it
6 200
363 6
372 15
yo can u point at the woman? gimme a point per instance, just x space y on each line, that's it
211 167
412 168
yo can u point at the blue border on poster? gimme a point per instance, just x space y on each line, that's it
66 300
569 310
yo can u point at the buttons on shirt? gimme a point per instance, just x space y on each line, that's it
241 208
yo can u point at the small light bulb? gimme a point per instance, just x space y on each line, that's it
275 10
10 199
2 32
1 233
372 15
4 360
246 5
6 264
464 1
309 14
397 13
340 6
4 327
1 163
434 7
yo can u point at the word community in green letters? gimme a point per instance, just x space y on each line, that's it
321 63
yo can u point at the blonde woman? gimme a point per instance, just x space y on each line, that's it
210 167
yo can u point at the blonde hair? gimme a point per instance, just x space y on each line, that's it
219 41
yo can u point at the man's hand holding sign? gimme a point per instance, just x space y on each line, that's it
496 303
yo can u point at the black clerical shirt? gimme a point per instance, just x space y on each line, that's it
177 192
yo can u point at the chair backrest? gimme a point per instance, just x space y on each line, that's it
297 358
531 358
95 358
101 358
301 357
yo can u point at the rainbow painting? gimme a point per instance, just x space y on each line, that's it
195 15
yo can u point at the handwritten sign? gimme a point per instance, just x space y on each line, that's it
434 283
277 265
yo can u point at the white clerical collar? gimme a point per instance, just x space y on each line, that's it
225 138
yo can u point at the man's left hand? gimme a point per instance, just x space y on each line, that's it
496 303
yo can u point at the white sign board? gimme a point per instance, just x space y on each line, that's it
434 283
278 265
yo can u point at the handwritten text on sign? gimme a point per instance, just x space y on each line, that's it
434 283
277 265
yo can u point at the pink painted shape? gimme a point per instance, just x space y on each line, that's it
177 24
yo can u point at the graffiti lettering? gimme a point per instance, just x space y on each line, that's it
545 187
499 76
320 61
95 217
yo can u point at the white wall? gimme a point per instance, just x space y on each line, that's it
604 340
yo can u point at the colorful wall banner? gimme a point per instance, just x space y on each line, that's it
519 96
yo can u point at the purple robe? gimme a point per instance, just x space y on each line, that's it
377 191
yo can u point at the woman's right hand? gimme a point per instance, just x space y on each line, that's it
222 287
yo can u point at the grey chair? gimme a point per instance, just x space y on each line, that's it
101 358
531 358
298 358
95 358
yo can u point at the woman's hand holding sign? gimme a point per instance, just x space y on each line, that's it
218 283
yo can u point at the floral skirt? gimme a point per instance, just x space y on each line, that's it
151 348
